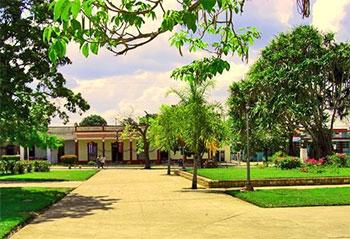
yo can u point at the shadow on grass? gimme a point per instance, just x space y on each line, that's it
77 206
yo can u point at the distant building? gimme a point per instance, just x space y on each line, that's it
87 143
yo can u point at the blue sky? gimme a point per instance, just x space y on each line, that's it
116 86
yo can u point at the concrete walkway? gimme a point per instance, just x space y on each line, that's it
149 204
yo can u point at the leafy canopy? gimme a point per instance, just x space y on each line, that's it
32 91
93 120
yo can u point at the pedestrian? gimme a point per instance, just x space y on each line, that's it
98 161
103 161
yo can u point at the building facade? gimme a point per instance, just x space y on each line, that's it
87 143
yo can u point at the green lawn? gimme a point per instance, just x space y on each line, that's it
269 198
257 173
18 204
54 175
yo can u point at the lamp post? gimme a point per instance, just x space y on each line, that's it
248 184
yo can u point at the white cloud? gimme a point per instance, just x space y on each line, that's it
280 10
327 15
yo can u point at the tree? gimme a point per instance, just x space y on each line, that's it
140 130
93 120
305 76
267 133
31 88
202 126
166 129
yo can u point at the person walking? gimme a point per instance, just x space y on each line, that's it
98 161
102 161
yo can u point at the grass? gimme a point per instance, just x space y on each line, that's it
257 173
272 198
59 175
19 204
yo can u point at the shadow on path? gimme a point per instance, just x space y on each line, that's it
76 206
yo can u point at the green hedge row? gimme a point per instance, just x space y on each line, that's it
21 166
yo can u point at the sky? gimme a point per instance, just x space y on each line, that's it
119 86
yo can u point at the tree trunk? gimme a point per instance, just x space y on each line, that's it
266 154
291 145
322 145
183 160
169 165
195 165
147 160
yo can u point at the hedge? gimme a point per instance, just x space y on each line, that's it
69 159
21 166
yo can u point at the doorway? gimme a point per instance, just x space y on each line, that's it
117 152
92 151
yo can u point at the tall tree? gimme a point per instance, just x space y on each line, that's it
139 129
93 120
203 125
32 91
166 129
305 76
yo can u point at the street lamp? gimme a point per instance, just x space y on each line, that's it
248 184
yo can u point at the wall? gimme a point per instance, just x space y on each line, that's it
83 156
69 147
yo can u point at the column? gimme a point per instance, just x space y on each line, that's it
21 152
130 147
27 153
103 147
77 149
48 155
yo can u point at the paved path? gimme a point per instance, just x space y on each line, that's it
149 204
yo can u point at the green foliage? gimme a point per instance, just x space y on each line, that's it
41 166
304 75
21 166
288 162
31 88
338 160
91 163
93 120
68 159
126 18
10 157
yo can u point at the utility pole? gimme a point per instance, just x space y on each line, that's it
248 184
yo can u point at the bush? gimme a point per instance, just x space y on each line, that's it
68 159
41 166
338 160
287 162
19 167
315 161
10 157
91 163
272 159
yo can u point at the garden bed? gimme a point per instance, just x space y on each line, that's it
18 205
236 177
59 175
272 198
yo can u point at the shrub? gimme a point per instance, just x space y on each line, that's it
313 161
2 167
338 160
287 162
41 166
91 163
10 157
69 159
19 167
272 159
